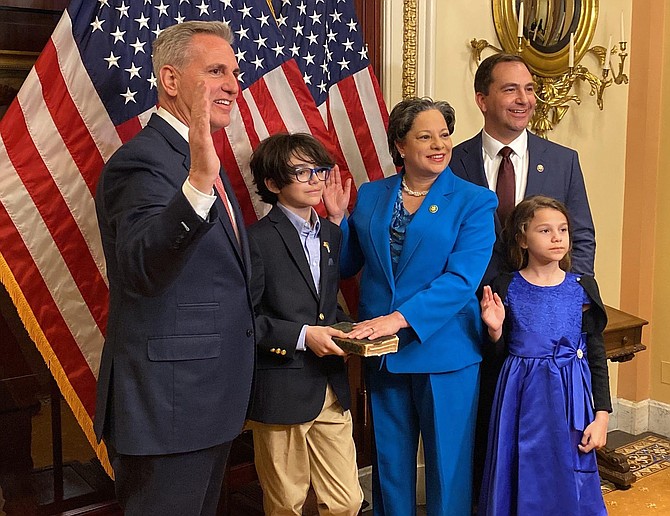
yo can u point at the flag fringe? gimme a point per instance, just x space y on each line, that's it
37 335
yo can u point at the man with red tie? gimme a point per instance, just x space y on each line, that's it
516 164
178 359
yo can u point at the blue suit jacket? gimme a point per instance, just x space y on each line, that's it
447 248
178 358
560 177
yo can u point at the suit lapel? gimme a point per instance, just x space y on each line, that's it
175 139
293 245
380 222
433 207
223 214
473 162
538 166
327 261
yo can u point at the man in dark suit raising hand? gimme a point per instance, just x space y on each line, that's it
177 364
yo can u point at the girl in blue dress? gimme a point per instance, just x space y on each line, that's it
552 402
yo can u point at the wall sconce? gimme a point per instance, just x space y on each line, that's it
553 37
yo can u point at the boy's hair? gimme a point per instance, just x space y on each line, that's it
517 224
271 160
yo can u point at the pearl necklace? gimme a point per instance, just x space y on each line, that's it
411 192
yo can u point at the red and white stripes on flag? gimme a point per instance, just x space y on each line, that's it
58 133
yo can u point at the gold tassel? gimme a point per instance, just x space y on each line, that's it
37 335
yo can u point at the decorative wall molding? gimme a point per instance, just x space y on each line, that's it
409 16
425 74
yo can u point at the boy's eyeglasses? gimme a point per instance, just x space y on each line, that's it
304 174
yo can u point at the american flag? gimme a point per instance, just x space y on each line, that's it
304 68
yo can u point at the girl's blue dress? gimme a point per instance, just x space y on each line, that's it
541 407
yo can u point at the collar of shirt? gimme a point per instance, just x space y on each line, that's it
492 146
177 124
302 226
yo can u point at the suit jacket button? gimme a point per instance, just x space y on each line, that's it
283 351
321 317
272 350
250 333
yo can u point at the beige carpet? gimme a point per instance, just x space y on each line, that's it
649 459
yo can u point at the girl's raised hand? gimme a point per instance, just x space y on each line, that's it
493 313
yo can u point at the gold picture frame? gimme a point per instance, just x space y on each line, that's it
545 64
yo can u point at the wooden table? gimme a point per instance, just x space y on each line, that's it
623 338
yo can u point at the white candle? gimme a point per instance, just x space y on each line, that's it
623 36
571 57
519 29
608 54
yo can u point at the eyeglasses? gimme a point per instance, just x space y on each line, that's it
304 174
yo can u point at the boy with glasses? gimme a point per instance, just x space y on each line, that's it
300 409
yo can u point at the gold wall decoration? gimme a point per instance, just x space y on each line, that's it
554 37
409 16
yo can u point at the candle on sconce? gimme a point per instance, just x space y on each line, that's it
571 56
519 29
608 54
623 36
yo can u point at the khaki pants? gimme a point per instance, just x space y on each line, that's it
321 452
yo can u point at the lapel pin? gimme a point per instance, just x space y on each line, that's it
433 208
327 246
540 168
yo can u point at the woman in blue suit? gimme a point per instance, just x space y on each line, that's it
423 239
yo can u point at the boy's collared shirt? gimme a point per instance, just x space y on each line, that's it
308 231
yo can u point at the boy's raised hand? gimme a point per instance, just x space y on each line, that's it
493 313
336 196
205 163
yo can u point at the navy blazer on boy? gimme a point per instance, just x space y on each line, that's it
178 358
553 171
290 385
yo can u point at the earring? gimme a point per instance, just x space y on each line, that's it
402 155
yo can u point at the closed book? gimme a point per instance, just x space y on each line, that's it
365 347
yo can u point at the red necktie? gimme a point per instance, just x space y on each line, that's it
506 185
224 198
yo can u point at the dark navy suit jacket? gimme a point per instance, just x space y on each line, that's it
554 171
178 358
291 385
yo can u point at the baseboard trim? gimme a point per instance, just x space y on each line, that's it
637 417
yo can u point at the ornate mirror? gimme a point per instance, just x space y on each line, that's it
547 25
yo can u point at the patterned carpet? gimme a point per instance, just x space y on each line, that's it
649 459
645 456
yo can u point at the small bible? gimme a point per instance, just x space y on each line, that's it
365 347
